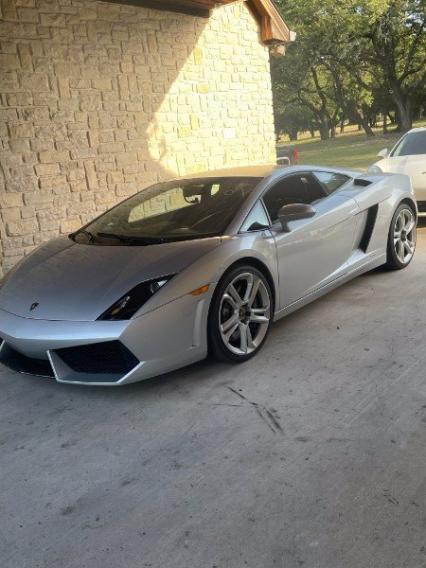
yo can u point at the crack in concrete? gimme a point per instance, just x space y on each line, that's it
264 413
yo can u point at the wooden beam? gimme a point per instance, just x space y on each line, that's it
272 26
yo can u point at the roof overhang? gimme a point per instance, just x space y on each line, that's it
273 28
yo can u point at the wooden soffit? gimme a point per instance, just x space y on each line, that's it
273 28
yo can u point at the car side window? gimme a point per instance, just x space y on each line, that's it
256 219
296 188
412 144
331 181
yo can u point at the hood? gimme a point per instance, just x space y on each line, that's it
78 282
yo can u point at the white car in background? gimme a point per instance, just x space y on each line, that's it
408 156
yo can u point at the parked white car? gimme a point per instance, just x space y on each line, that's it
408 156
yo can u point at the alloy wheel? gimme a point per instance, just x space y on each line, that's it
404 236
244 313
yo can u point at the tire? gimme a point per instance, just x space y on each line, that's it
402 238
240 314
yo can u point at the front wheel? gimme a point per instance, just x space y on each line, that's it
402 238
240 315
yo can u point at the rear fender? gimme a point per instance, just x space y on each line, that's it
386 191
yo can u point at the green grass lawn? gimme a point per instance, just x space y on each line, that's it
352 149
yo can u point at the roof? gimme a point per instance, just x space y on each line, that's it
273 29
263 171
245 171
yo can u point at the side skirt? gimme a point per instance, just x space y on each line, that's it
371 265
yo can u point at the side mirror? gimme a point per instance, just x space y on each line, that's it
383 153
294 212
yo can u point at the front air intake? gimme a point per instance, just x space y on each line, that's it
109 361
20 363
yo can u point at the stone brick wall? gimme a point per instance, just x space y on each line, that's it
99 100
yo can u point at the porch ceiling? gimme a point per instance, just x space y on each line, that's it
273 28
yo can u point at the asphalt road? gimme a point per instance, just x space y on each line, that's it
311 455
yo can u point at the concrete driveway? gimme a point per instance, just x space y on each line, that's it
313 454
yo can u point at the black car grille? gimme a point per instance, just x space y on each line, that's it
22 364
107 358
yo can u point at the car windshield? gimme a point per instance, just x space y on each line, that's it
411 144
171 211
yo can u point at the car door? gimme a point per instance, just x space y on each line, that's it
315 250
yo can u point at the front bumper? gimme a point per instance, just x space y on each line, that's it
162 340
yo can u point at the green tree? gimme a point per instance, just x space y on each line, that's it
292 119
396 43
347 52
299 78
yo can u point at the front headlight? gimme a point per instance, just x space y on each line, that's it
129 304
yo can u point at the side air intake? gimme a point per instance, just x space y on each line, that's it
369 226
362 182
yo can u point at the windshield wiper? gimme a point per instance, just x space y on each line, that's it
85 232
129 239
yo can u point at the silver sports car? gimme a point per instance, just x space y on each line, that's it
196 265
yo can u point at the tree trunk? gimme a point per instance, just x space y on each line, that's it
293 134
385 122
403 106
342 126
322 113
405 120
364 123
324 129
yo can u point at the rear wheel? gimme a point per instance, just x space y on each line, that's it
241 314
402 238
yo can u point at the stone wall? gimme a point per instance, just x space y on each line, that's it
99 100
